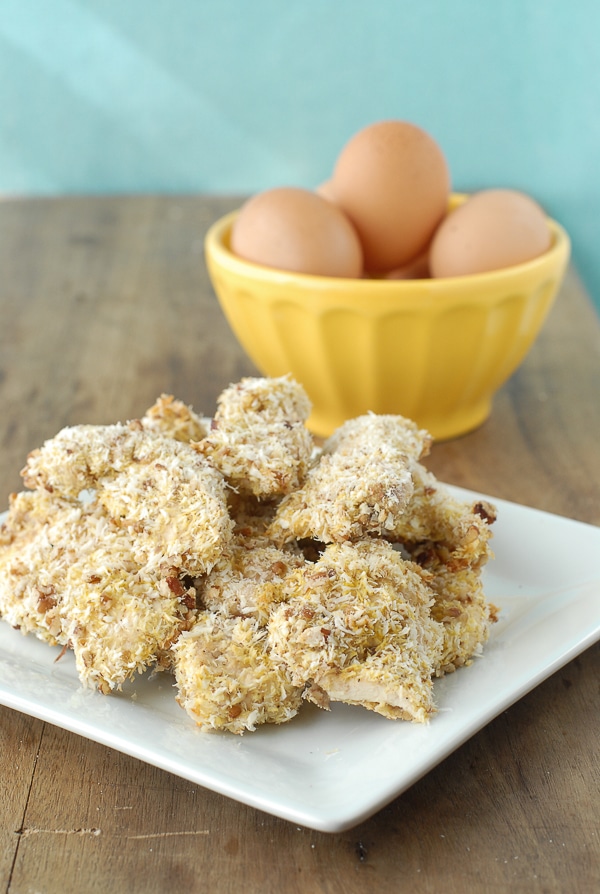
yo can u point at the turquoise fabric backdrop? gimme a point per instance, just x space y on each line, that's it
233 96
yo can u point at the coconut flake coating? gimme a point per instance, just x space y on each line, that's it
34 558
258 439
359 485
171 417
228 679
245 581
357 628
441 529
400 435
462 609
147 482
112 577
69 575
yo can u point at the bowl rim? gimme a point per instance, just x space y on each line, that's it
216 246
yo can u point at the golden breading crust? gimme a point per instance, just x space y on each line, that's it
359 485
149 483
34 562
227 678
244 582
438 528
400 435
462 609
171 417
68 575
258 439
356 627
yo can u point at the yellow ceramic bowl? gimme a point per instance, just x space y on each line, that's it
435 350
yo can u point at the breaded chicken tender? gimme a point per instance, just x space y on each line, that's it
111 578
356 627
171 417
463 611
359 485
119 620
34 559
227 678
244 582
401 436
149 483
68 575
258 439
437 527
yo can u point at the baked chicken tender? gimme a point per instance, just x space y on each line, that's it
227 677
34 559
68 574
258 439
438 528
464 613
113 577
356 627
171 417
121 620
399 434
150 483
245 580
359 485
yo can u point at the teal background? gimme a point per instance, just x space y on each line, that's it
234 96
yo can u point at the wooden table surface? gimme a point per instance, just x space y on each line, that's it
104 304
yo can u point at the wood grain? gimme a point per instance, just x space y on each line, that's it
105 303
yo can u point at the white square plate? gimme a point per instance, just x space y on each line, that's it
330 771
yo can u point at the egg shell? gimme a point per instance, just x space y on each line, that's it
295 229
493 229
393 182
418 268
326 191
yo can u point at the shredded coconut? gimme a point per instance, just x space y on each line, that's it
257 568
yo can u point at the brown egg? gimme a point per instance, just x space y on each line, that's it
295 229
326 190
418 268
392 181
494 228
